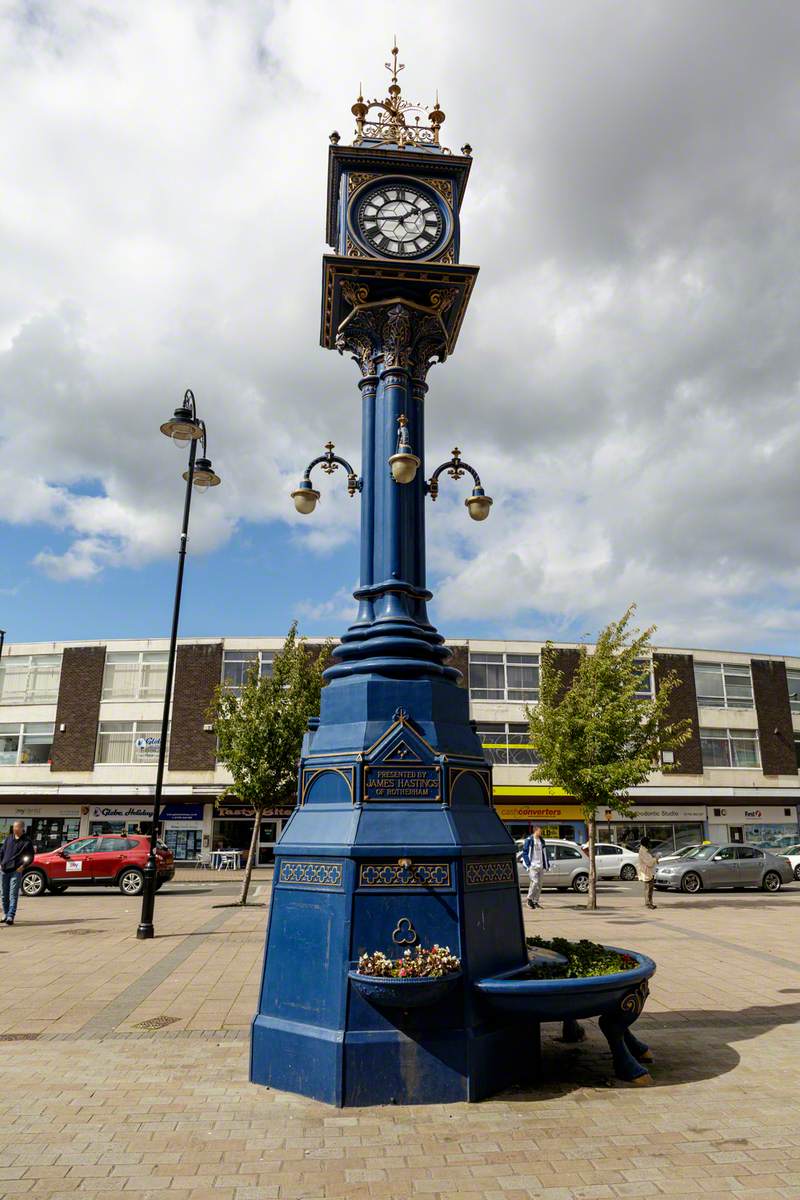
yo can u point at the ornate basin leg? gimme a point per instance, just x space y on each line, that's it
627 1051
572 1031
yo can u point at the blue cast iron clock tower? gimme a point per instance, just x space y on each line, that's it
394 839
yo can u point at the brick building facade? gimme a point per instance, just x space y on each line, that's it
80 733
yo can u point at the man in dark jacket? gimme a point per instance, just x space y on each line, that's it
16 853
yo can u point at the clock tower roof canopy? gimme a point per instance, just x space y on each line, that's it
393 134
397 123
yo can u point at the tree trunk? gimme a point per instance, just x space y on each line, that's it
251 856
592 895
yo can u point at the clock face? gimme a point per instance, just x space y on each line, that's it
400 220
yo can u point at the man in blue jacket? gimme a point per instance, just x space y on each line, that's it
16 853
534 856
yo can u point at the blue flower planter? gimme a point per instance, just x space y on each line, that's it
616 999
403 993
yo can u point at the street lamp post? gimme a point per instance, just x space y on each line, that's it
184 427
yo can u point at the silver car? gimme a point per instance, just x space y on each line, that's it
569 867
733 865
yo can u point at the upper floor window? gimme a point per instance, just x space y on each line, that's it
236 665
500 676
135 675
506 743
129 741
723 685
27 744
793 680
30 678
645 689
730 747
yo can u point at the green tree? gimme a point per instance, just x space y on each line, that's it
596 738
260 732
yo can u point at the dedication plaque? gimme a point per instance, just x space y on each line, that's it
401 783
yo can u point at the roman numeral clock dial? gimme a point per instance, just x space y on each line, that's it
400 220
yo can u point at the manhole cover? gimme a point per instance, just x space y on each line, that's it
156 1023
18 1037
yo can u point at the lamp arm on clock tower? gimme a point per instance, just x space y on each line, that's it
305 495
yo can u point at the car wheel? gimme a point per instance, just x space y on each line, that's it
34 883
131 882
58 888
772 882
581 883
797 872
691 882
628 872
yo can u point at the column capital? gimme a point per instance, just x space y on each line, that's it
396 334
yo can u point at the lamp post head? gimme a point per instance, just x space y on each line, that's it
478 504
183 427
305 497
203 476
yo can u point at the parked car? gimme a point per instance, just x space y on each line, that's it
731 865
613 862
569 867
110 860
793 855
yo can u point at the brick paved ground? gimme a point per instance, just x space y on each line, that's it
95 1107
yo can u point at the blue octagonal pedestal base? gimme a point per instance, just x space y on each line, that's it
394 843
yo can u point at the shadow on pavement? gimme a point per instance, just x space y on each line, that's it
688 1047
23 924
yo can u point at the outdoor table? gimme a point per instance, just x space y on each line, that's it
220 859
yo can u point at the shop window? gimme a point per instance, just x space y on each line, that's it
30 678
730 748
26 744
500 676
237 664
48 833
507 743
129 742
797 750
721 685
185 843
135 675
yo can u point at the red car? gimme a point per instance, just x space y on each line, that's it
108 860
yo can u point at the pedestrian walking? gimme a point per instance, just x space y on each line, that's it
647 871
16 853
534 856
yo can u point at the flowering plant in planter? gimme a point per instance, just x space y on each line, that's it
417 964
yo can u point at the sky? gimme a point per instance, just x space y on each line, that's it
626 380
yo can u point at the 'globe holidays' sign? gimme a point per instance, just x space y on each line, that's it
401 783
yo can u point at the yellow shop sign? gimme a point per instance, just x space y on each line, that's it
538 812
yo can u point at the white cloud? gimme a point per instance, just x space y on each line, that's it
627 377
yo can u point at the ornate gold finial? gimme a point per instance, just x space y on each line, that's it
394 67
390 125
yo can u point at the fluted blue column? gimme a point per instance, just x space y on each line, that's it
392 635
368 386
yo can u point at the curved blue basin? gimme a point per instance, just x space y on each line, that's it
403 993
564 999
616 999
